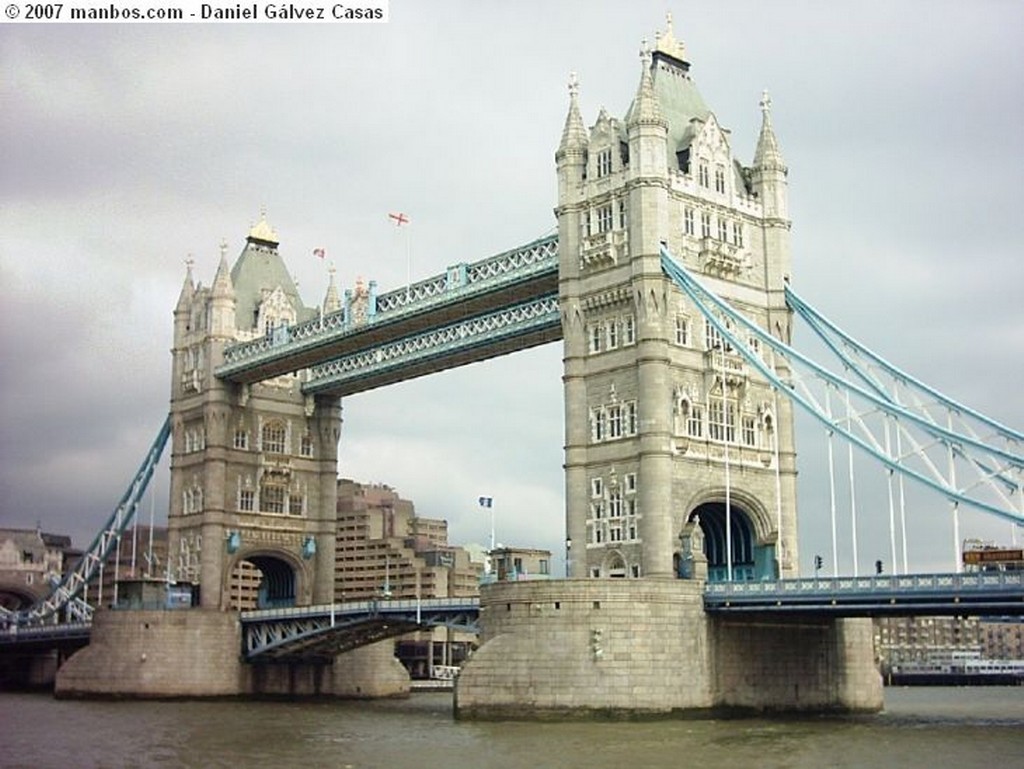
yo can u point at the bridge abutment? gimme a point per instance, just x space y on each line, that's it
635 648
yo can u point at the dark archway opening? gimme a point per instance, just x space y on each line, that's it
262 582
750 561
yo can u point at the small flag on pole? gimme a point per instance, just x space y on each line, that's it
486 501
399 218
319 253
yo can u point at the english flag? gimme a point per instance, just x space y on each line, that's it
319 253
399 218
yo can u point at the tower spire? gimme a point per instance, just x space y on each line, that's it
332 301
574 135
645 106
768 156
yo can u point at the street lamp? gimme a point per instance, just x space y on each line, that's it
568 556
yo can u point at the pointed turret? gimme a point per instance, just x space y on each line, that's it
768 174
571 156
183 309
574 135
222 299
188 288
768 156
647 127
332 301
645 109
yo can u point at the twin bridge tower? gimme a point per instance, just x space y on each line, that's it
679 457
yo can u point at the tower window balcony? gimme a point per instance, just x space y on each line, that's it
604 249
720 258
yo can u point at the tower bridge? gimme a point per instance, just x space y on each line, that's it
668 284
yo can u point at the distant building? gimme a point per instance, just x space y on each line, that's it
142 552
384 550
518 563
30 559
914 639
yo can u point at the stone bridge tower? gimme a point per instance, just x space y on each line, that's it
253 467
666 425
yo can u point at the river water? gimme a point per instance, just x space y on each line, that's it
931 728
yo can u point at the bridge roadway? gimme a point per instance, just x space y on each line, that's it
471 312
320 632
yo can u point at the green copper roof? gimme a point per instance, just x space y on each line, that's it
258 271
678 98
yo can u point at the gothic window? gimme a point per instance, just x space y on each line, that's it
723 229
246 500
597 425
274 437
604 163
604 218
612 329
614 422
695 422
705 224
623 215
722 419
296 503
628 330
719 178
630 417
614 533
629 481
749 435
306 448
688 221
702 173
737 233
597 510
241 438
615 504
272 499
634 570
595 338
682 330
598 535
713 339
596 487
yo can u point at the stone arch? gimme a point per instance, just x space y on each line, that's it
614 565
266 578
752 534
16 596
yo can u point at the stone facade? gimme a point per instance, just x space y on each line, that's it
253 467
665 422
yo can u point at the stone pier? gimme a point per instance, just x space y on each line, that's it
636 648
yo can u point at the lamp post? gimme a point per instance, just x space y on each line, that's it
568 556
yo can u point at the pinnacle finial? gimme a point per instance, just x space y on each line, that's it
766 101
645 52
189 261
223 248
574 85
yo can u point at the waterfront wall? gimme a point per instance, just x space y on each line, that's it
627 648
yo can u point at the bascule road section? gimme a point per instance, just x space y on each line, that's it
469 313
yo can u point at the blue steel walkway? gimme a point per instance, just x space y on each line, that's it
321 632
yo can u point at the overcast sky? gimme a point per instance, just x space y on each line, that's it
127 148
